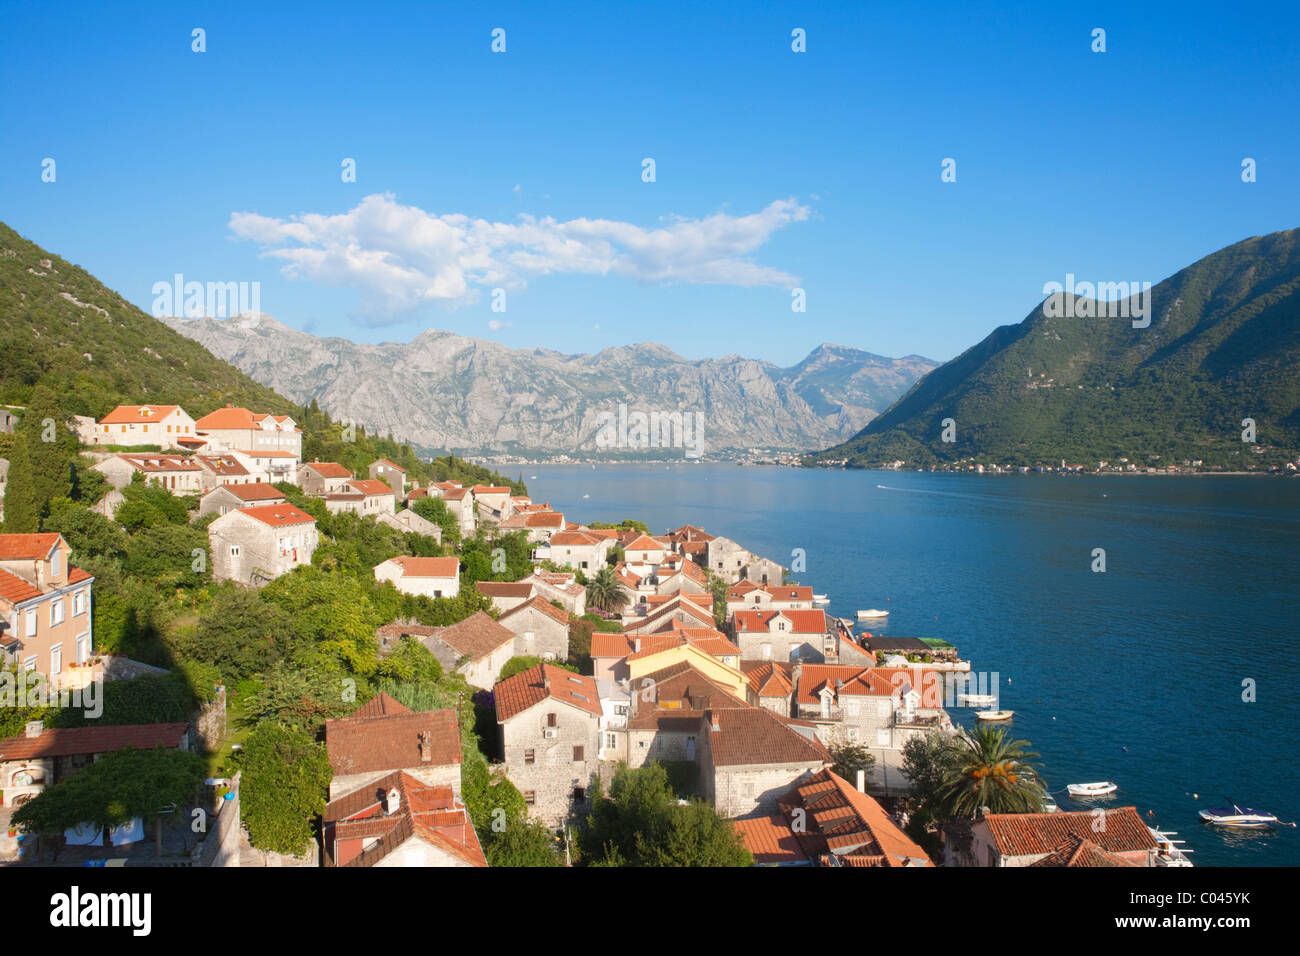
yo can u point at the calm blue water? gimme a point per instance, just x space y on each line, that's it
1199 594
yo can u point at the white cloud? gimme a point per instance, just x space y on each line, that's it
400 258
497 325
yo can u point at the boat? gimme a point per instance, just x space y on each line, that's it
1235 816
871 614
1170 852
994 715
1049 803
976 700
821 599
1099 789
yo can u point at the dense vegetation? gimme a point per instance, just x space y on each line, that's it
1223 345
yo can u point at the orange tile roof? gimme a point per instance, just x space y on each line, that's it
801 621
477 636
1079 852
277 516
516 694
1119 830
230 417
221 464
752 735
149 463
843 818
504 589
20 547
384 735
73 741
16 590
770 840
539 603
644 543
371 486
448 567
571 538
491 490
767 679
252 491
390 464
126 414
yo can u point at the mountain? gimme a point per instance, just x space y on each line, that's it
1223 345
61 327
446 391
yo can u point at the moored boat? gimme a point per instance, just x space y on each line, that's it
994 715
1235 816
871 614
821 599
977 700
1098 789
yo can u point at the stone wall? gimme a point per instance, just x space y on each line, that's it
552 774
221 847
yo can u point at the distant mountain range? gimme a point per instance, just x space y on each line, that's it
443 391
1223 345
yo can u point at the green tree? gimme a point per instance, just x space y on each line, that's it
286 777
605 591
240 634
88 533
990 771
22 511
522 843
849 759
300 698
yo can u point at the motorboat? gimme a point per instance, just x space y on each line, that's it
1235 816
871 614
1099 789
977 700
821 599
1170 852
994 715
1049 803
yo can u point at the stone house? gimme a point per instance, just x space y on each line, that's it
878 707
748 596
1118 837
432 577
226 498
538 526
560 586
540 628
550 726
382 735
367 497
45 756
577 549
46 607
770 685
407 520
460 502
667 707
749 758
505 595
257 544
399 820
394 474
272 466
783 635
178 474
218 470
477 647
159 425
323 477
493 502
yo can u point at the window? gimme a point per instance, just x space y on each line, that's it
56 612
31 617
578 753
579 794
610 741
530 755
550 720
234 550
30 663
530 797
54 563
767 652
852 734
851 708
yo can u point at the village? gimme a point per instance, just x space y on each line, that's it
704 658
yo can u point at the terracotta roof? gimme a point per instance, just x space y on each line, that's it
15 590
770 840
384 735
644 543
455 494
801 622
18 547
372 486
477 636
233 417
1028 834
574 538
149 463
563 580
390 464
491 490
221 465
77 575
767 679
682 695
1079 852
328 469
126 414
757 736
277 516
842 818
516 694
73 741
255 491
519 589
539 603
605 644
410 567
432 814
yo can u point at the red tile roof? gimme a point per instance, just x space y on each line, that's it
126 414
756 736
15 590
574 538
840 817
516 694
1025 834
801 622
153 463
19 547
504 589
328 469
384 735
221 465
390 464
235 417
74 741
372 486
770 840
410 567
277 516
1079 852
477 636
539 603
254 491
767 678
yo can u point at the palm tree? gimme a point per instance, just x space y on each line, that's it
605 591
991 771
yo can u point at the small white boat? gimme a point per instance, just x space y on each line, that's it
977 700
994 715
1235 816
871 614
1099 789
1049 803
821 599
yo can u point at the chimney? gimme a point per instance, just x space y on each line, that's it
393 802
35 728
862 780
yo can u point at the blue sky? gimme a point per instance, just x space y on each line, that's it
523 170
